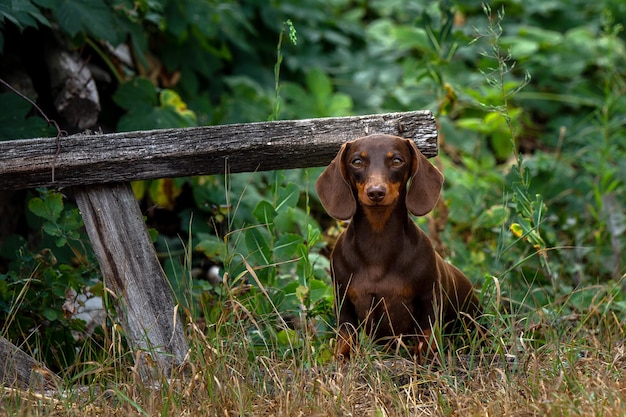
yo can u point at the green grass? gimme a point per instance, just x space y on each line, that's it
529 364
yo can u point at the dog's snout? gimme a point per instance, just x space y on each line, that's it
376 193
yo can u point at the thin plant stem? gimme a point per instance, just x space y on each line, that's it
48 120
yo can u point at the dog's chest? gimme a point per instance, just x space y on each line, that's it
385 302
373 287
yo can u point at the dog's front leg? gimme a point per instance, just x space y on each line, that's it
347 324
424 346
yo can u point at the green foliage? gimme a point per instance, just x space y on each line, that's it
92 17
272 243
38 292
65 228
316 98
529 98
22 14
148 111
15 121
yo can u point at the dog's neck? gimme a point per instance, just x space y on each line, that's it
381 241
388 230
383 222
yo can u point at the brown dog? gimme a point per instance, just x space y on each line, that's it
387 276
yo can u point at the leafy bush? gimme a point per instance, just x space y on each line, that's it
39 293
528 97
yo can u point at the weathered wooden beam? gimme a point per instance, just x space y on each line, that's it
122 157
131 271
20 370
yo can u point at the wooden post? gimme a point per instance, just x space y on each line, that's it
20 370
131 270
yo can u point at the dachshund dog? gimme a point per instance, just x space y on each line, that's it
387 276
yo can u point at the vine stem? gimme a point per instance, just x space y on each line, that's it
53 122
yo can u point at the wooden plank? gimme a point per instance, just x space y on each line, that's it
21 371
122 157
131 271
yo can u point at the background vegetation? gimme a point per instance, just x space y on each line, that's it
529 97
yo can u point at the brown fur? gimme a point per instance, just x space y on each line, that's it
387 276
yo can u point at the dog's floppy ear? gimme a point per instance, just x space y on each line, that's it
334 190
425 186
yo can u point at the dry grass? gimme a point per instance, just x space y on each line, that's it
568 367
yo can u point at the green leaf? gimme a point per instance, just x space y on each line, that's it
49 208
23 14
264 212
501 144
213 247
50 314
69 16
136 94
247 100
319 84
472 123
583 41
48 4
15 122
149 119
340 105
258 244
520 48
290 220
71 220
93 17
153 233
139 97
409 37
51 229
313 235
164 192
171 99
304 263
286 247
289 337
545 37
319 290
492 217
288 196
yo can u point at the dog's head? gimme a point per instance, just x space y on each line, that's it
375 170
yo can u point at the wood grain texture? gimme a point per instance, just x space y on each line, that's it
131 270
20 370
122 157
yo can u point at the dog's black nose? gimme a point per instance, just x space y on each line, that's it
376 193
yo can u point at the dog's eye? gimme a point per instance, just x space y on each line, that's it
357 162
396 162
